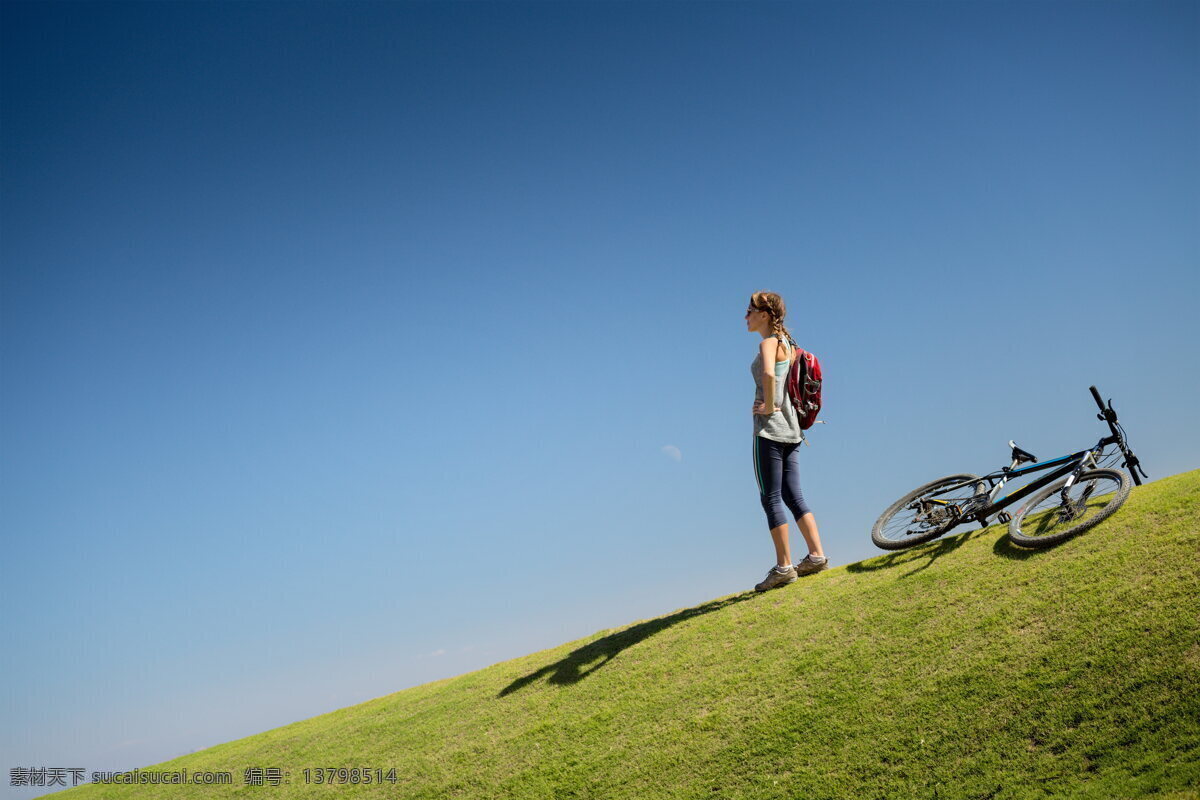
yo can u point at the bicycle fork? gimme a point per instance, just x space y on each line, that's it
1069 510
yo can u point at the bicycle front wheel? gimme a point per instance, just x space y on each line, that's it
920 516
1056 514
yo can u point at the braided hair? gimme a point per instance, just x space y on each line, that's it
773 305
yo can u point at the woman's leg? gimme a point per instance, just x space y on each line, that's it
794 498
783 555
808 529
768 469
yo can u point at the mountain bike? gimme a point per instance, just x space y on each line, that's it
1079 491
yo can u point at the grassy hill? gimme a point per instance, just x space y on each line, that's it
965 668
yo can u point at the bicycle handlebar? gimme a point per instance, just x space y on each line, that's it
1109 415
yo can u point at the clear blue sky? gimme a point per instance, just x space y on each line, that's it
341 342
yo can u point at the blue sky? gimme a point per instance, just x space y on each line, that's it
341 343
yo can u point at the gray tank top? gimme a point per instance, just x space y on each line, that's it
783 425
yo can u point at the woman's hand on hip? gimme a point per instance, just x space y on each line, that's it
761 407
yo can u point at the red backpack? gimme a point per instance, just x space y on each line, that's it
804 386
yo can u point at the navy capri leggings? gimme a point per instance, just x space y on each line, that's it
777 468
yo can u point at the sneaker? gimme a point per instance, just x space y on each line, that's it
776 578
810 566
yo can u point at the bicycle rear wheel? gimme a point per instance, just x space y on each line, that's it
1054 515
918 517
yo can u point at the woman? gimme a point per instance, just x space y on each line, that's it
777 438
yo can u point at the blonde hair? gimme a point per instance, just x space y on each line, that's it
774 306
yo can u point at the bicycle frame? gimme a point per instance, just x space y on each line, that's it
979 508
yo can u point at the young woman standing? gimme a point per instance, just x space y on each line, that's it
777 438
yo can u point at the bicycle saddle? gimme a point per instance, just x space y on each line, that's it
1020 455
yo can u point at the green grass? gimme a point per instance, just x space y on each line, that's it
965 668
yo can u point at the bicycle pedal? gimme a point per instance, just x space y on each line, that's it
1004 517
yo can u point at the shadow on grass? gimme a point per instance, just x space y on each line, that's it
578 664
1004 547
932 551
926 553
